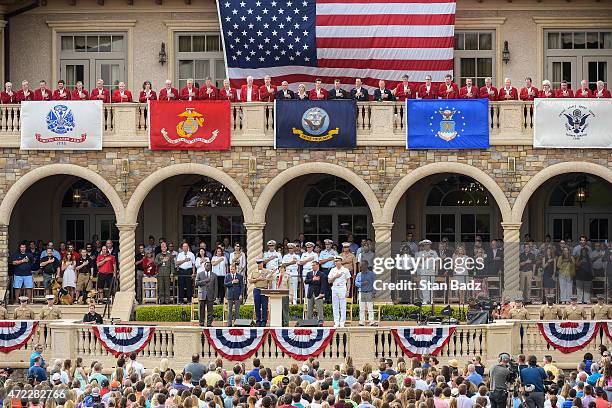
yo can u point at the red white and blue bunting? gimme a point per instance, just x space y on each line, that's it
568 337
120 340
15 333
416 341
302 343
608 329
236 344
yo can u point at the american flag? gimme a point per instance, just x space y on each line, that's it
300 40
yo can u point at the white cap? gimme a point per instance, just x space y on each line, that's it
56 377
309 244
425 242
271 242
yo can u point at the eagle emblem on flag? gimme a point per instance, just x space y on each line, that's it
447 125
60 120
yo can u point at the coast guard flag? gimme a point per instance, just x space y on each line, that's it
447 124
61 125
572 123
315 124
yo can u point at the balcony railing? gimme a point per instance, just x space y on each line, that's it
363 345
252 124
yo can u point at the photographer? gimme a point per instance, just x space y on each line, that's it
499 376
532 378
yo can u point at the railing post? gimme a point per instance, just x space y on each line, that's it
502 337
125 119
253 119
381 118
511 119
187 342
63 340
361 346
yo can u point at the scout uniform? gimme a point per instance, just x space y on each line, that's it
50 311
574 311
600 310
550 311
23 312
519 312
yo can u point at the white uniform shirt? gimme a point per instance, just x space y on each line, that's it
343 277
189 255
272 264
292 270
308 256
427 265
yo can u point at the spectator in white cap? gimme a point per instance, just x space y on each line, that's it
290 260
427 261
271 257
326 260
349 261
339 278
306 262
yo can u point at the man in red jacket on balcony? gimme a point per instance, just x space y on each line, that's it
528 92
25 94
267 92
168 93
488 91
8 96
100 93
42 93
189 92
80 93
468 91
601 92
584 91
318 93
564 91
403 90
449 89
508 92
61 93
208 92
122 94
249 92
227 93
427 90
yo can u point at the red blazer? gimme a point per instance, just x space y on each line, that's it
402 95
266 96
526 97
93 95
76 97
589 93
254 93
185 94
552 94
452 94
205 96
490 94
559 93
163 94
501 94
463 92
118 99
223 95
39 97
604 94
433 92
6 98
58 97
21 96
142 97
312 95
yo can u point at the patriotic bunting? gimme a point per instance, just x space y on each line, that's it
236 344
416 341
123 339
568 337
14 334
608 329
302 344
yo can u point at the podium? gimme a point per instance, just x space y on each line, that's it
275 305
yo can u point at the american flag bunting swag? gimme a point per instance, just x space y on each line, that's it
568 336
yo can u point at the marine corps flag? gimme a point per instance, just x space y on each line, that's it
184 125
315 124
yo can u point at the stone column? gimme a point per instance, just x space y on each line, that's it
382 240
127 253
254 250
4 256
511 259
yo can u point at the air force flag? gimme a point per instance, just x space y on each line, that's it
447 124
315 124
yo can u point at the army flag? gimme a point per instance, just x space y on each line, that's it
189 125
315 124
572 123
447 124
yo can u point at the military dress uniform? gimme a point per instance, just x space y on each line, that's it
23 312
50 313
601 311
3 313
551 312
260 301
574 312
519 312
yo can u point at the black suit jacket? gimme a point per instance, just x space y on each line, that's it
234 291
314 287
341 94
364 94
378 95
281 94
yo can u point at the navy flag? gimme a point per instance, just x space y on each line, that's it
447 124
315 124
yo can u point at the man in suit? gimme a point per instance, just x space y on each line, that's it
285 92
261 280
382 94
122 94
315 295
468 91
508 92
234 284
227 93
495 255
42 93
449 89
189 92
206 281
601 91
403 90
488 91
528 92
267 92
318 93
359 93
565 92
427 90
61 93
337 92
249 92
168 93
100 93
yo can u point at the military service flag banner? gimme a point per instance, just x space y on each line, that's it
447 124
61 125
189 125
572 123
315 124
